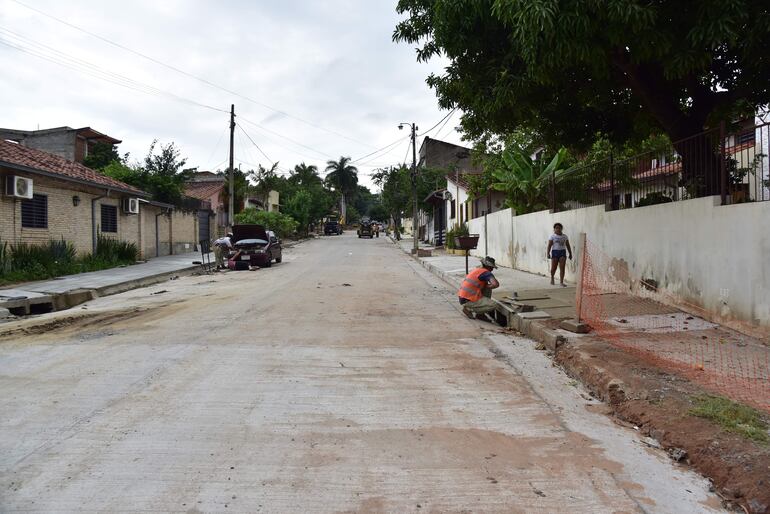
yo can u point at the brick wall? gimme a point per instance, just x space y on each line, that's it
65 220
177 233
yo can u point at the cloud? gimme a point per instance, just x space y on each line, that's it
331 66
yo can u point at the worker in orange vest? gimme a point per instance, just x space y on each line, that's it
476 290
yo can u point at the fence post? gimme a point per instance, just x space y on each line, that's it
722 164
612 183
581 255
486 235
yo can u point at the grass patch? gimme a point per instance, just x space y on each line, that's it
732 416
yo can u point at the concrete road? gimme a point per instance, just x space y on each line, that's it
342 380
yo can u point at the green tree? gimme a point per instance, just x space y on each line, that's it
526 182
282 224
308 205
343 177
305 175
162 175
264 180
102 154
395 183
569 68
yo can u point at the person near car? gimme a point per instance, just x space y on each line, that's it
476 290
222 246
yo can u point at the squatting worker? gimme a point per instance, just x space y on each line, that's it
222 245
476 290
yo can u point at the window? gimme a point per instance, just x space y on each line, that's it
745 138
452 210
109 218
34 213
466 211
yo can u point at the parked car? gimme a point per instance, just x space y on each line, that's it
257 246
332 226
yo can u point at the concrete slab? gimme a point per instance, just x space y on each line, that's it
575 326
534 315
65 292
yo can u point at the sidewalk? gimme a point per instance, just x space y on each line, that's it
549 301
653 365
65 292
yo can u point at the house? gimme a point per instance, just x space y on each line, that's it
210 189
451 203
71 144
46 196
271 204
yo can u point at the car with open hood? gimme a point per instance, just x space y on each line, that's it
256 245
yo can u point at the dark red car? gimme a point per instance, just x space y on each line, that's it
255 245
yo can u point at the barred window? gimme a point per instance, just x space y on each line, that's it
34 212
109 218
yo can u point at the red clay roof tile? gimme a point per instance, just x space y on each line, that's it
13 154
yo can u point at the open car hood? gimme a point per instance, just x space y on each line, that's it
241 232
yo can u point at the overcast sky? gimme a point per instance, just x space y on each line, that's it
324 78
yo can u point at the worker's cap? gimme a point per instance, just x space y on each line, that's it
488 262
229 234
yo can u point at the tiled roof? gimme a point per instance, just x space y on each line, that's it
16 155
203 190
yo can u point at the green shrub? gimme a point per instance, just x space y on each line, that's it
282 224
23 262
452 233
115 250
653 198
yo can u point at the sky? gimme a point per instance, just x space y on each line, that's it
311 81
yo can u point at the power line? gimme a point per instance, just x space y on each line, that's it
439 122
217 146
255 144
438 133
178 70
380 150
286 138
55 56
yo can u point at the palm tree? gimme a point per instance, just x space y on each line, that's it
304 175
343 177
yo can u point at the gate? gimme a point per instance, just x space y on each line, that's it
204 232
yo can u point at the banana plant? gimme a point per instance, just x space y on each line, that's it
526 181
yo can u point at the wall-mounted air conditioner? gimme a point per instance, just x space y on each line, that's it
19 187
131 205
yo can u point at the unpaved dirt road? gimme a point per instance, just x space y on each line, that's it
343 380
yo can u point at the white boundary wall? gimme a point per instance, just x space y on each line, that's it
709 255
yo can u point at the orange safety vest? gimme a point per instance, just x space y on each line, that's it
472 287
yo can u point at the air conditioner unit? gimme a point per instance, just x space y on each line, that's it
19 187
131 205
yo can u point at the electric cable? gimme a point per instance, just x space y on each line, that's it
187 74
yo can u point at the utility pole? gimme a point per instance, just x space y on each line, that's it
231 206
414 128
415 231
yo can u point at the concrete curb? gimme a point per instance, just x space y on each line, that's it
47 302
533 329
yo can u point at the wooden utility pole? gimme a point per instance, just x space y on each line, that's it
231 206
415 225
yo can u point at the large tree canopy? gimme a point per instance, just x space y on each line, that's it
570 68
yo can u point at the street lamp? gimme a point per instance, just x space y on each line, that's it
414 183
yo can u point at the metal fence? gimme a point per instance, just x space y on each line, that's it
732 164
